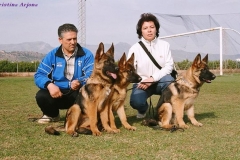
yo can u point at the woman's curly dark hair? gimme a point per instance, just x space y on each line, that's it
146 17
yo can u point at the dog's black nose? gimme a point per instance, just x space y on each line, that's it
139 79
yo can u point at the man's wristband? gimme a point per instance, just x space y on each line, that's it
46 84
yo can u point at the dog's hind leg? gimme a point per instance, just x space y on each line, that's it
84 125
165 115
72 118
191 116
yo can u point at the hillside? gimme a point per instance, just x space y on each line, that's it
19 56
40 47
35 51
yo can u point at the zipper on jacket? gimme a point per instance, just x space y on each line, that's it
69 83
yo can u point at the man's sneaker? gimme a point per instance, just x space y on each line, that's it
140 116
47 119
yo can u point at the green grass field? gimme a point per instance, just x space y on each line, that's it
217 107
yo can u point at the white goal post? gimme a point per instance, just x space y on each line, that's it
207 30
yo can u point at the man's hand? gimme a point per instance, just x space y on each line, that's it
75 85
54 90
144 85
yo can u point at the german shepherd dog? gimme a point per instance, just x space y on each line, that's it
92 96
115 102
180 95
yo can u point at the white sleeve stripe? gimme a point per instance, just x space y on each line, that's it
46 65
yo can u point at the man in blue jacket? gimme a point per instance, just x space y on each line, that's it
62 72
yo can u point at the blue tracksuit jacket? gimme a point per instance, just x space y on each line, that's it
51 69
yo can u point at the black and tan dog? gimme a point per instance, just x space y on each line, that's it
180 95
115 102
92 96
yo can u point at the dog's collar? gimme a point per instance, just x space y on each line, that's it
182 80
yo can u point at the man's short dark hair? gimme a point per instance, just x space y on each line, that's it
147 17
66 28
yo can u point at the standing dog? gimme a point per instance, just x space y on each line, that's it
92 96
180 95
115 102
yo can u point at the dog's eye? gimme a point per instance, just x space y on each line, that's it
204 70
129 71
109 62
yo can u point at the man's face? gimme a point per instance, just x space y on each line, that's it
68 41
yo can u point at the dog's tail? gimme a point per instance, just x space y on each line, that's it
54 130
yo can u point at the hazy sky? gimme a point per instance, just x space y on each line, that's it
107 21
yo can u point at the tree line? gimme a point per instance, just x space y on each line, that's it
8 66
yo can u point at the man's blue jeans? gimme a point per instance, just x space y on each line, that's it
138 98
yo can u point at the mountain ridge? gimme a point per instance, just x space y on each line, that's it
35 51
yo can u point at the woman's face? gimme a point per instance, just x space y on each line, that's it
149 30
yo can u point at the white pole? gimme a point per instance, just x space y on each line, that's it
221 49
206 30
187 33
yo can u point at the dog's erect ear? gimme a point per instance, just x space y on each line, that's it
122 61
99 52
197 60
110 51
205 59
131 59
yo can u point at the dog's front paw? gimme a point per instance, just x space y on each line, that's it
131 128
97 133
198 124
183 126
116 130
112 130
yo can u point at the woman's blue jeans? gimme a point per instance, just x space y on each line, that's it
138 98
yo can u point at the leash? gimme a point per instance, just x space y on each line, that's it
69 91
151 108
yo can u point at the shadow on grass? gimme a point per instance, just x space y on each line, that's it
130 120
205 115
201 116
133 119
